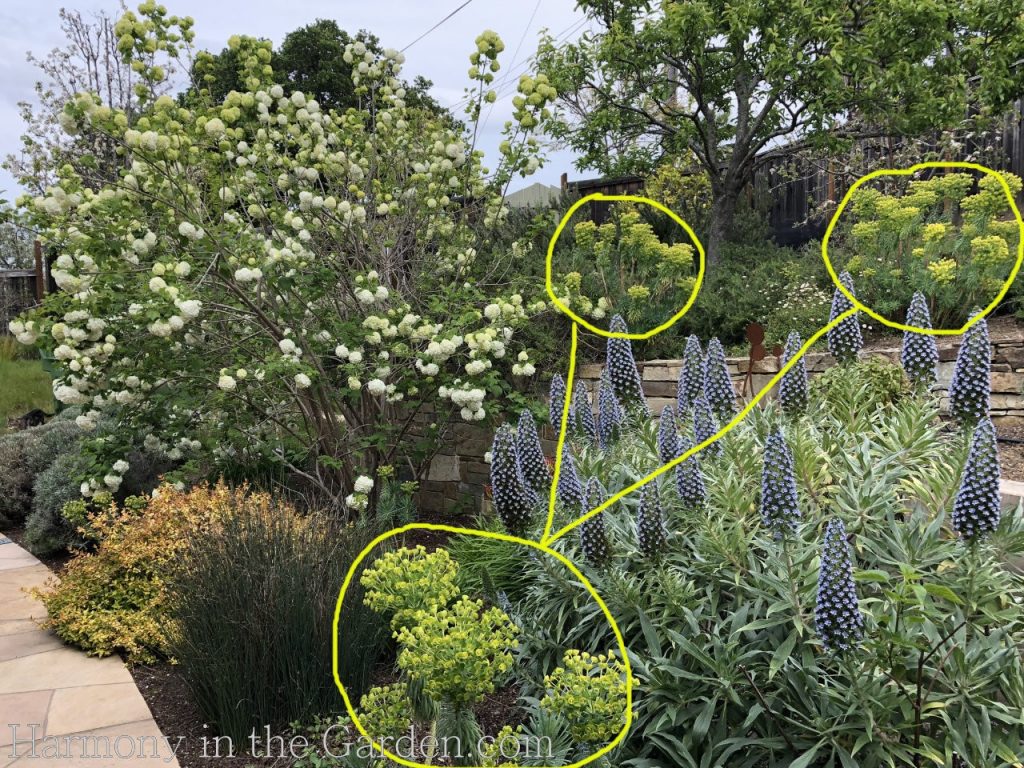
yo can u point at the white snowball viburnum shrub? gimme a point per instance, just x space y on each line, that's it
270 282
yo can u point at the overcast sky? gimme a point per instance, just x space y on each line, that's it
442 56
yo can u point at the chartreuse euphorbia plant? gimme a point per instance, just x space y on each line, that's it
267 281
452 652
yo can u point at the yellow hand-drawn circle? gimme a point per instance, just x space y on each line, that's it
628 704
623 199
908 172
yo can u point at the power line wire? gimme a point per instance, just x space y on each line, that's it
442 21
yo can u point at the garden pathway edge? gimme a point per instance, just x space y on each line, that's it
58 706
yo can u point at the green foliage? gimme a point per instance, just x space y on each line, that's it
309 59
253 602
384 711
781 288
623 267
46 530
929 235
458 652
114 599
852 393
15 480
23 456
589 692
721 632
408 582
488 566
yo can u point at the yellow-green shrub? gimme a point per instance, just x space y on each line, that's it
115 598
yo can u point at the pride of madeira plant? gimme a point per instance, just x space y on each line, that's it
833 590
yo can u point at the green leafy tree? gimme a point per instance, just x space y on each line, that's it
310 59
740 82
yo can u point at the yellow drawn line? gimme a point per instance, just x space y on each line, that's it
563 430
628 711
549 286
547 540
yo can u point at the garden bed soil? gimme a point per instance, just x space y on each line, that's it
178 716
1011 452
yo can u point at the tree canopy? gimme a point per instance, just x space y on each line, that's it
736 82
310 59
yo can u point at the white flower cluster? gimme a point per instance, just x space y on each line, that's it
523 367
370 291
24 332
511 309
469 399
359 498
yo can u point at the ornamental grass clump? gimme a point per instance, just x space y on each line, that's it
793 386
976 510
837 614
780 509
610 415
622 371
593 540
691 376
589 692
556 401
514 500
970 387
844 340
531 456
407 583
581 415
718 387
651 531
252 600
920 353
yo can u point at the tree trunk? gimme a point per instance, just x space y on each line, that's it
719 225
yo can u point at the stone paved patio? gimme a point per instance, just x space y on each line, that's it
59 707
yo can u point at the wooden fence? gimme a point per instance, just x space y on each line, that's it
792 190
22 289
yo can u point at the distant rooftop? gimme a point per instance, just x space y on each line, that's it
536 195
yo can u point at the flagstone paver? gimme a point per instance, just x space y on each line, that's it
85 711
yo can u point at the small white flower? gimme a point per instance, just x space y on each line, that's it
227 383
363 484
120 466
376 387
302 381
355 356
287 346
